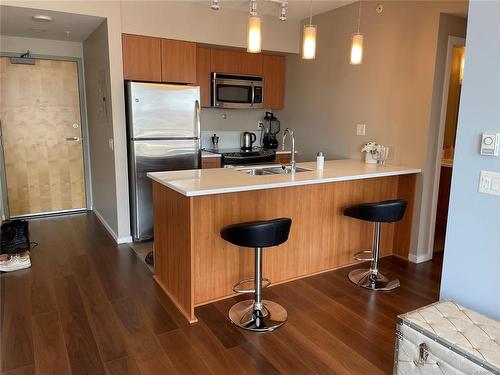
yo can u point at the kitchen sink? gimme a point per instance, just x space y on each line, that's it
272 170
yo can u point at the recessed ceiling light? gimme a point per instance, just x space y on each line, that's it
42 18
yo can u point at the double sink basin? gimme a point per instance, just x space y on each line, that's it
272 171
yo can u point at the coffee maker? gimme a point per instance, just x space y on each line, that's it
271 128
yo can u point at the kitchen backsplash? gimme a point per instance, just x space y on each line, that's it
228 125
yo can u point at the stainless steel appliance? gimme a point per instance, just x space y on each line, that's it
237 91
271 128
248 139
234 157
163 124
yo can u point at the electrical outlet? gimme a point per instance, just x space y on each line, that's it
489 183
360 129
260 124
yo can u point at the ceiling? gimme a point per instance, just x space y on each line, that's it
297 9
17 21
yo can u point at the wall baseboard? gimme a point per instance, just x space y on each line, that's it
419 258
118 240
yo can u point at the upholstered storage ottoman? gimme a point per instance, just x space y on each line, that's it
446 338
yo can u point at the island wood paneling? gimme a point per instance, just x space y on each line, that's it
321 239
402 237
173 254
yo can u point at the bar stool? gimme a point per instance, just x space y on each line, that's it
257 314
378 213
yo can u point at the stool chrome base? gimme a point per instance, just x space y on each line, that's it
361 277
270 317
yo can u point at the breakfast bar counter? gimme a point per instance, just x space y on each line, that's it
194 266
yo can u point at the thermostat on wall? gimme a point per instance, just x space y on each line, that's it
490 143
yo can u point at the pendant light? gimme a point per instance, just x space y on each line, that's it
309 38
253 30
357 43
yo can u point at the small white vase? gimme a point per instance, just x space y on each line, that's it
369 159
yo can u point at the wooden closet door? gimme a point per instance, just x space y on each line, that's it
42 139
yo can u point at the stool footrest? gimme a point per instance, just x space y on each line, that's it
237 287
366 255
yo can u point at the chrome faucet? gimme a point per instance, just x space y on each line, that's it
293 164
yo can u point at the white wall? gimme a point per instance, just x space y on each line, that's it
471 271
392 92
196 22
16 44
100 126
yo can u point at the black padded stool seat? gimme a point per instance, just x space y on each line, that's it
258 233
378 213
257 314
381 212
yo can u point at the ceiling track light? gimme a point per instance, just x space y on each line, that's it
254 38
357 43
214 4
283 9
309 38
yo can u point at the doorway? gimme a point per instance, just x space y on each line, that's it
42 138
448 130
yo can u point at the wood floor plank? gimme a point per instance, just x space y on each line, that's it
17 338
101 315
147 351
91 305
123 366
182 354
80 343
50 350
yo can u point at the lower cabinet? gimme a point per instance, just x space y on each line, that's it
212 162
283 158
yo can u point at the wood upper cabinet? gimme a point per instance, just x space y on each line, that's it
141 58
238 62
178 61
273 70
203 74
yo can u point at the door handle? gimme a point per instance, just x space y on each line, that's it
73 139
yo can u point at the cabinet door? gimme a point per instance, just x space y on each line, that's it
228 61
141 58
178 61
283 158
273 68
203 72
209 163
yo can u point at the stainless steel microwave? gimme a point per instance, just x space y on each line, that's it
237 91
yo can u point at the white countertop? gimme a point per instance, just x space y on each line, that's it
229 180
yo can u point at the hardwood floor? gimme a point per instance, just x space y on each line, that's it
88 306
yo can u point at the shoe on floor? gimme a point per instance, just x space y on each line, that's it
16 262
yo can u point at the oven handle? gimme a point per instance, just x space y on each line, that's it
253 94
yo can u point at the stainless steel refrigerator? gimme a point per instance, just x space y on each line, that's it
163 124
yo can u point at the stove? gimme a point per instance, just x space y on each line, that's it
237 156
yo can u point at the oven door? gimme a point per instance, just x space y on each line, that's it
233 93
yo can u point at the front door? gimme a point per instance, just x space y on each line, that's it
42 137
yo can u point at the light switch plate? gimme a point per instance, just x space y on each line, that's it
111 144
360 129
489 183
490 144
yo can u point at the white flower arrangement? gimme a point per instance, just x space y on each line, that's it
370 147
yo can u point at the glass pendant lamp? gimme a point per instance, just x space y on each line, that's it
357 43
254 29
309 38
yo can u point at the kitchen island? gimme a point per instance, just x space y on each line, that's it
194 266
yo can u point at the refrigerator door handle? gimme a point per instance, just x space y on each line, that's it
197 117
